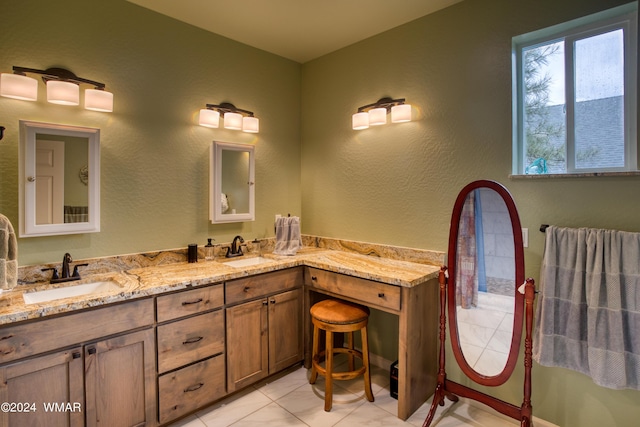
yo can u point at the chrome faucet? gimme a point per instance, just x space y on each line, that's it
235 249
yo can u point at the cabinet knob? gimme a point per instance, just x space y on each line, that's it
314 278
192 302
192 340
246 289
92 350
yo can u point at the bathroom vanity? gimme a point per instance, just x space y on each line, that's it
176 338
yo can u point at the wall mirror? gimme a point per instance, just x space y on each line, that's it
485 298
232 182
59 179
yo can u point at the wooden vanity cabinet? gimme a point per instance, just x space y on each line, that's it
99 381
264 325
191 345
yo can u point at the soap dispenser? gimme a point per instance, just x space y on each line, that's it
209 251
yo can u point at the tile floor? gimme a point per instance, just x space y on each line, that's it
485 332
289 400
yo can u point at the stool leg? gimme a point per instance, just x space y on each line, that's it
328 387
314 354
365 361
352 365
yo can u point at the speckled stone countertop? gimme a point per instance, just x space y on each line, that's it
145 281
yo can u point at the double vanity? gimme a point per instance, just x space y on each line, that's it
150 344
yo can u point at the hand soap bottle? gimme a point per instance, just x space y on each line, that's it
209 251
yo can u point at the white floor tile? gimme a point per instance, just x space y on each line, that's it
271 415
233 409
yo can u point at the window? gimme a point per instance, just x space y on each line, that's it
575 96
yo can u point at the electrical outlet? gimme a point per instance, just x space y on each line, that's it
525 237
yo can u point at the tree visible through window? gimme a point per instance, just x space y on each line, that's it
576 98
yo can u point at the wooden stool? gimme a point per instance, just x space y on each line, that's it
339 316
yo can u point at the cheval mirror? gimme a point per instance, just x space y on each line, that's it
485 296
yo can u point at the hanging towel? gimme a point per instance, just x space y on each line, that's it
8 255
288 239
588 315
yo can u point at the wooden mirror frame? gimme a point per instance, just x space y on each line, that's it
524 296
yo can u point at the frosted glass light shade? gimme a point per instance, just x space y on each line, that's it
233 121
64 93
401 113
250 124
360 121
98 100
18 87
209 118
377 116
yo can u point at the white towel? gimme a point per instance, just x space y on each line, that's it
288 240
8 255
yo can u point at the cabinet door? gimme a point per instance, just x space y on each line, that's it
247 344
285 330
120 381
51 385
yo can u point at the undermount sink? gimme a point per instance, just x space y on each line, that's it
247 262
70 291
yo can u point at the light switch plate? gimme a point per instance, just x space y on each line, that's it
525 237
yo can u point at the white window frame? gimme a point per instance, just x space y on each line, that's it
622 17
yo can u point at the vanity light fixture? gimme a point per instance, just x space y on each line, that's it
63 87
376 114
234 118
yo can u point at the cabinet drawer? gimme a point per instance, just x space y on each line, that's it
39 336
248 288
189 302
189 340
190 388
366 291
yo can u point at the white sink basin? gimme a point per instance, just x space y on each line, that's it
70 291
247 262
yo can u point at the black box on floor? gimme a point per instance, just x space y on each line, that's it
393 374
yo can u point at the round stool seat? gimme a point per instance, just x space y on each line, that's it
339 312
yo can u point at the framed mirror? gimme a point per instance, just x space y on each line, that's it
59 179
485 298
232 182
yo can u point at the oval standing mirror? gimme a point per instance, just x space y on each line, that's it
232 186
485 298
59 173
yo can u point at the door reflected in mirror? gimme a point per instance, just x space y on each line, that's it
59 179
485 281
62 172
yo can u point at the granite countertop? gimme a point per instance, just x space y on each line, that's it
148 281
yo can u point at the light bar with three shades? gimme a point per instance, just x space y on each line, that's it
63 87
376 114
234 118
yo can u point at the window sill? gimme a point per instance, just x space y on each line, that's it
574 175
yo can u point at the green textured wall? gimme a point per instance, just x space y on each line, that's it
397 183
154 155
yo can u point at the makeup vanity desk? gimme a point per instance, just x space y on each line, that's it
407 290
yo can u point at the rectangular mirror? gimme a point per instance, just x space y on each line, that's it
232 182
59 173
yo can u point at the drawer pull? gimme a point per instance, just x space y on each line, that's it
193 387
192 302
92 350
380 294
246 289
193 340
265 302
76 355
273 301
314 278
